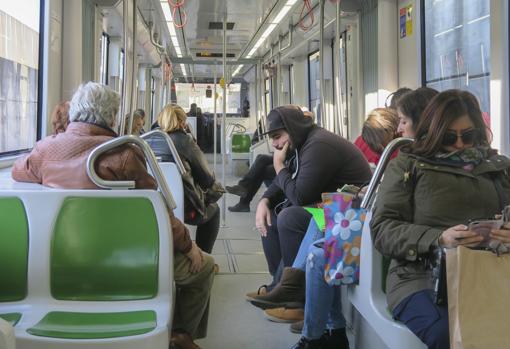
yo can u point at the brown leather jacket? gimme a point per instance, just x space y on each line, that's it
59 161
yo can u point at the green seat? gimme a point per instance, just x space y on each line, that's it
318 216
11 318
13 250
70 325
241 143
105 249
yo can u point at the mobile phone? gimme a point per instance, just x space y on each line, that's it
483 227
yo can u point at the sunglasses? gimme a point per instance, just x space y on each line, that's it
468 137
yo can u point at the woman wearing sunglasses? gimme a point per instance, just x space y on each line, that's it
448 176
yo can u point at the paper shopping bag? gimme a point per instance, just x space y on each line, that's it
478 299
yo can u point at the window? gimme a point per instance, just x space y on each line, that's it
457 46
268 83
196 93
314 85
20 23
103 69
291 82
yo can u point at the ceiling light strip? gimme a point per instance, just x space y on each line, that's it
272 25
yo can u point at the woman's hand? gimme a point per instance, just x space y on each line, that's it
196 258
502 234
263 217
459 235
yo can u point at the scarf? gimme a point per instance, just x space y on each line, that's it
466 159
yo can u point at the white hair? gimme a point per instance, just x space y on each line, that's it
94 103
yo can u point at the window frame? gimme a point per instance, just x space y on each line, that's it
40 86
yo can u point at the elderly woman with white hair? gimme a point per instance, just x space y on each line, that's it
59 161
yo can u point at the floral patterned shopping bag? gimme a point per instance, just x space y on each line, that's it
344 223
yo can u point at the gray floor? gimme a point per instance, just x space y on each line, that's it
235 323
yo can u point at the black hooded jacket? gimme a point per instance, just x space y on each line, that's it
323 163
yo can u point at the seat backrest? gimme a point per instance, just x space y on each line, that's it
241 143
105 249
13 250
174 181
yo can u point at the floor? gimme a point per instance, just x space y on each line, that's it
234 323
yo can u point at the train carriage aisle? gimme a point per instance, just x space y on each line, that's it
233 322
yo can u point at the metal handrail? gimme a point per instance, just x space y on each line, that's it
149 156
395 144
171 146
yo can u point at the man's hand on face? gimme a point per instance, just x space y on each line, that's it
279 157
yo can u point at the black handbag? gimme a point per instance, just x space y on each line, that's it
197 201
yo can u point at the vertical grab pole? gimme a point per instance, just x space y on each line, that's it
339 120
324 119
122 123
134 72
224 118
215 118
257 116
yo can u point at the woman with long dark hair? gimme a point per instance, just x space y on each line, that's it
448 176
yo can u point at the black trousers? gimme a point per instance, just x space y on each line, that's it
284 237
207 230
261 170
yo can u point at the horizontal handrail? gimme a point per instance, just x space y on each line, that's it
149 155
395 144
171 146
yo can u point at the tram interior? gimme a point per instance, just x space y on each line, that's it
338 59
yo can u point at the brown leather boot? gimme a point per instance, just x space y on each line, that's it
283 315
289 293
182 340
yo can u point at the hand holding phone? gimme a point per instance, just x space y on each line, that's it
484 228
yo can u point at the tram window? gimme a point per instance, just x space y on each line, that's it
457 46
196 93
291 83
314 86
103 69
20 23
121 65
268 100
153 99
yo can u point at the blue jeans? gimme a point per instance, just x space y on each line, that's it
312 234
323 307
427 320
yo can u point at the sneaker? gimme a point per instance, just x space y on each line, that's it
260 292
285 315
236 190
239 207
297 327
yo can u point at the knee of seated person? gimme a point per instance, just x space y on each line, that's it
208 262
316 256
288 215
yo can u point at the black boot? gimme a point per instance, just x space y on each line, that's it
305 343
237 189
289 293
335 339
239 207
